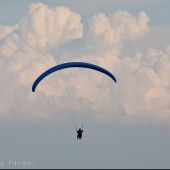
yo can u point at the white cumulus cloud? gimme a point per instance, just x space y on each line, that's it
142 93
44 27
5 30
24 51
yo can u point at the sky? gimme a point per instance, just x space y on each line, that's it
126 124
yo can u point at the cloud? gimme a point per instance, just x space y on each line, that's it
109 34
47 28
147 86
5 30
141 94
24 51
142 77
119 26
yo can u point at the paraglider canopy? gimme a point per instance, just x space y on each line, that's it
72 64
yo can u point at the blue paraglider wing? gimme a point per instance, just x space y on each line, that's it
71 64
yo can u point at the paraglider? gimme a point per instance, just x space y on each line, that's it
79 133
71 65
